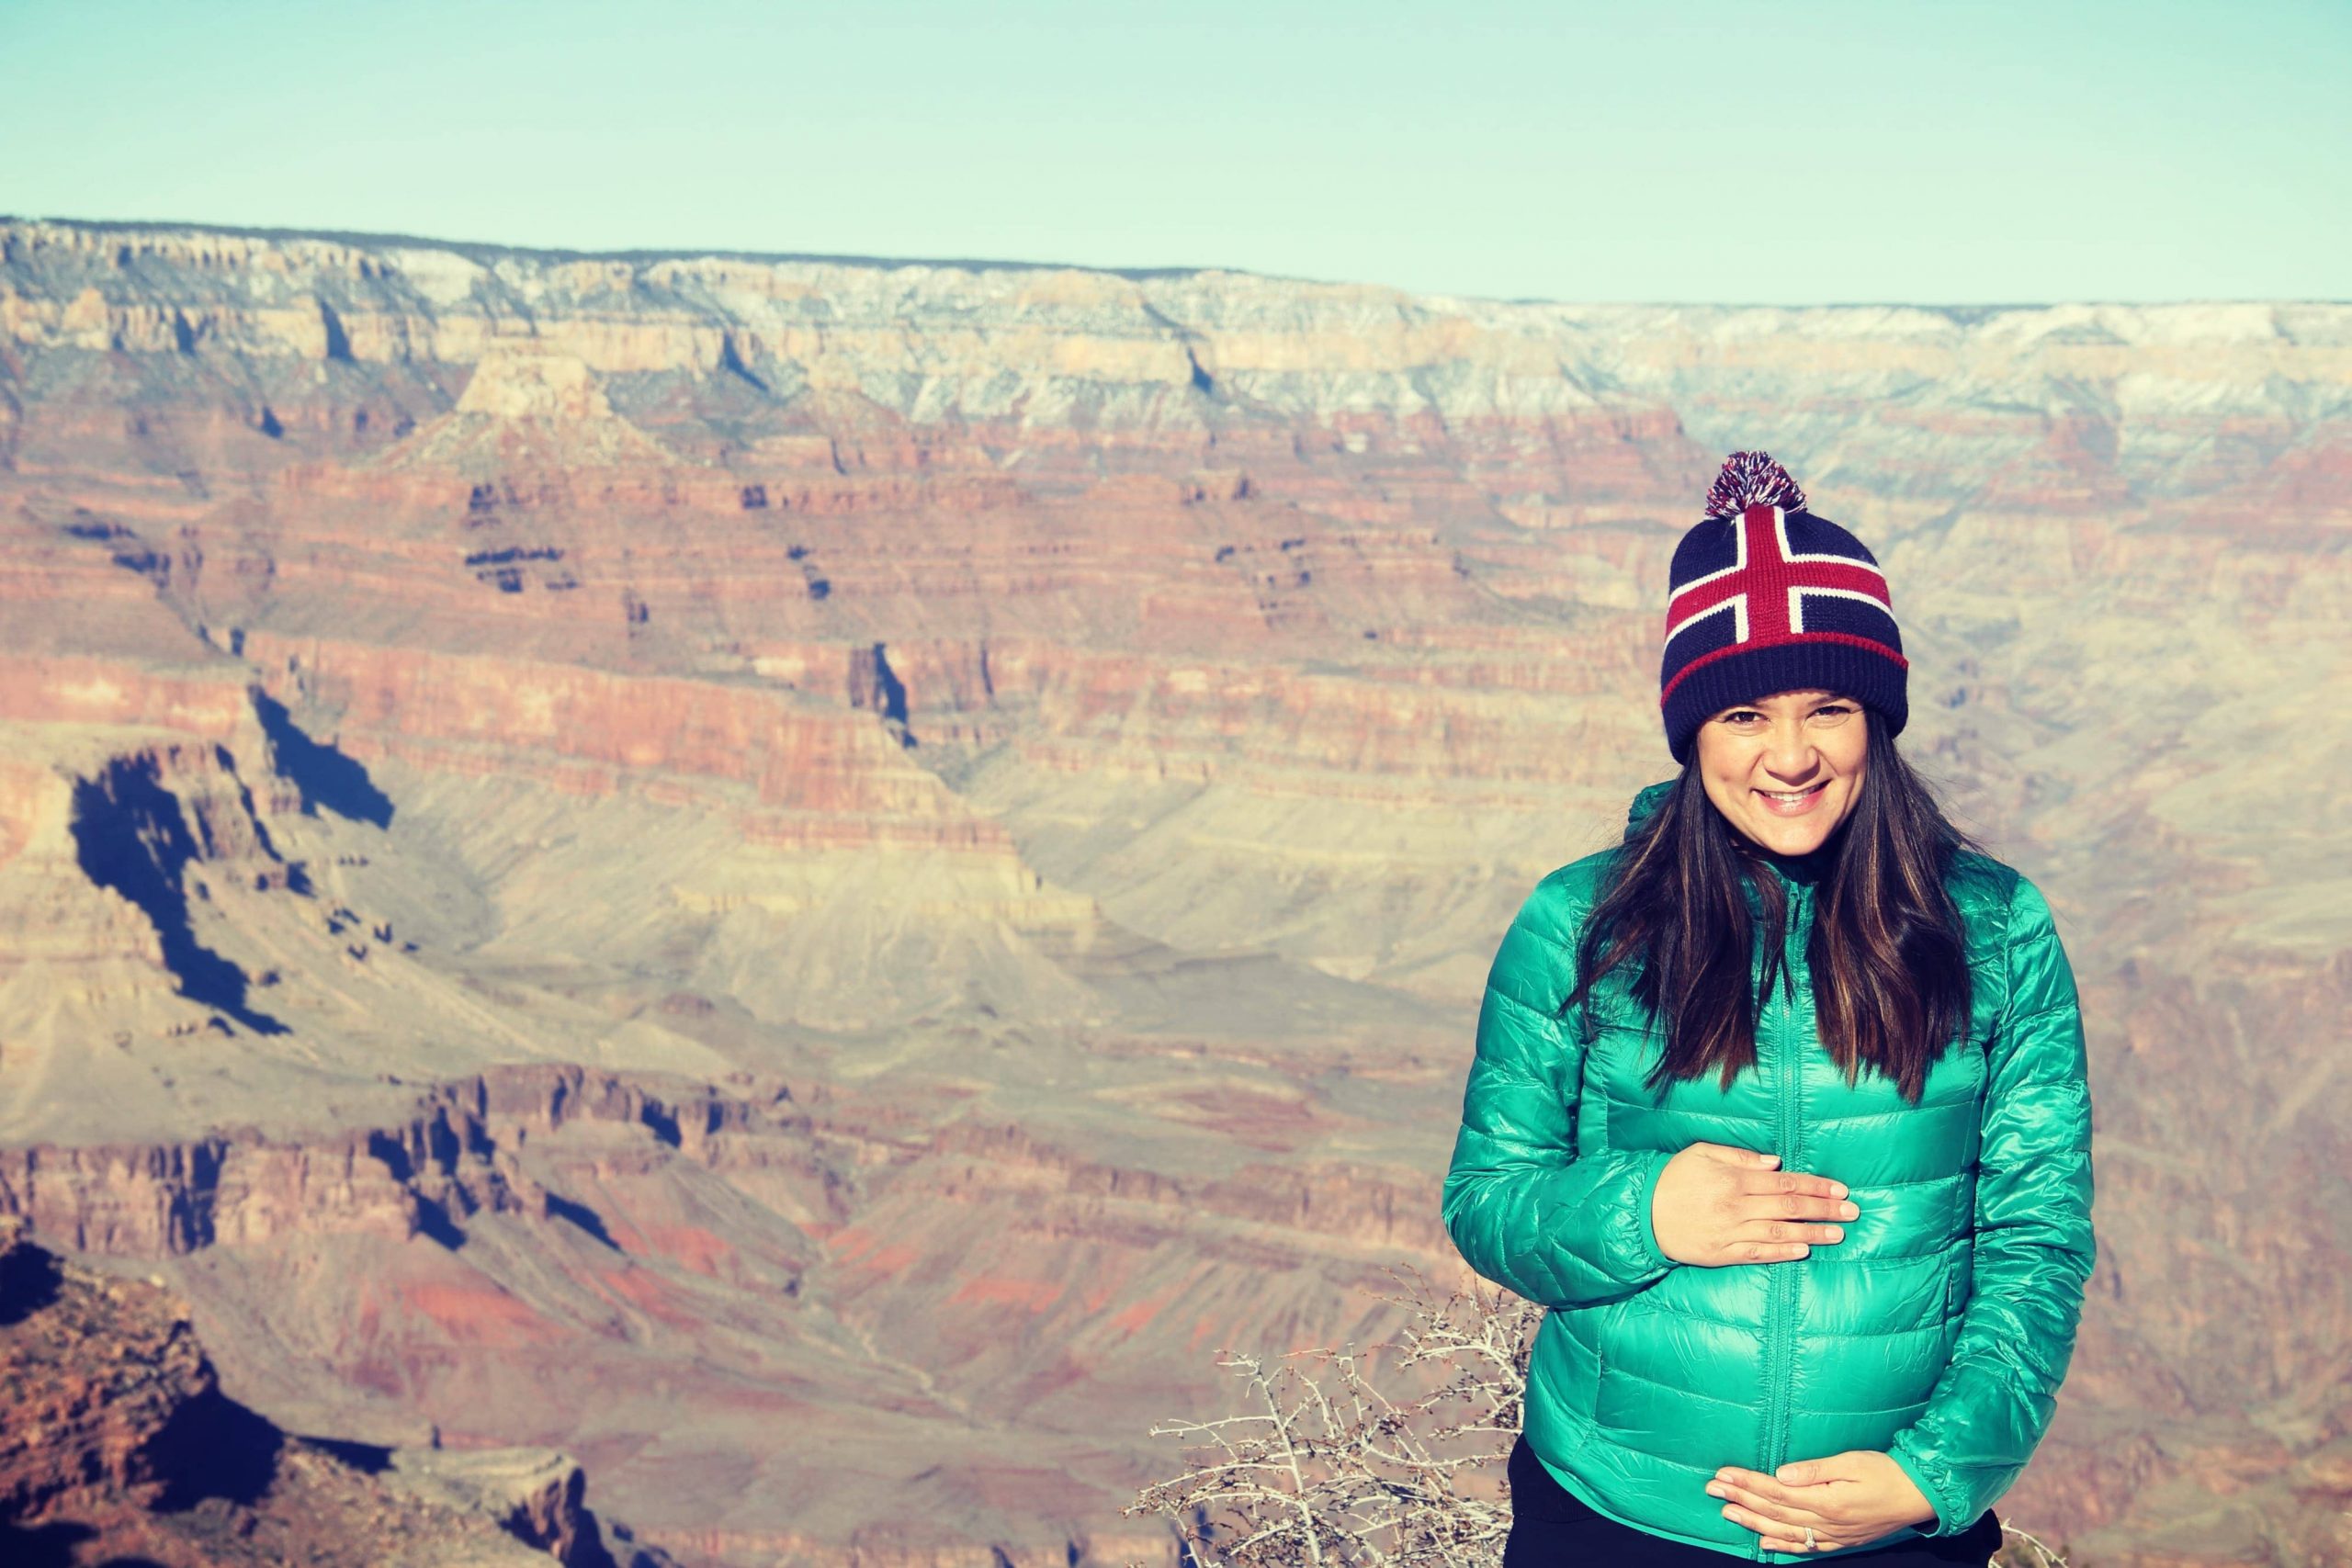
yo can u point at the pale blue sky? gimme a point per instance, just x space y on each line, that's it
1788 152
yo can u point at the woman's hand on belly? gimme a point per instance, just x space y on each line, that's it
1848 1498
1715 1204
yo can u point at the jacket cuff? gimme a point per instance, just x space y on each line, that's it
1654 1165
1945 1522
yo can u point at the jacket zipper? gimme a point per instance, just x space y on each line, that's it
1779 1311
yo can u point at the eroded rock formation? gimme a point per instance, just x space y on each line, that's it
121 1445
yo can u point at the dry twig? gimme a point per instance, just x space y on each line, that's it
1322 1469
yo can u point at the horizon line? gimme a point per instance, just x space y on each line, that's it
476 250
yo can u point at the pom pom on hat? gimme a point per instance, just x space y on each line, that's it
1748 477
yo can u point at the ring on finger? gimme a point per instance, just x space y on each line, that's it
1809 1542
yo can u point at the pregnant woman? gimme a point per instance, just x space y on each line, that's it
1779 1108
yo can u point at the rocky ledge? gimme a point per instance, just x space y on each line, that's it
120 1447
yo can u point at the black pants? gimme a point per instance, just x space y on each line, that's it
1550 1529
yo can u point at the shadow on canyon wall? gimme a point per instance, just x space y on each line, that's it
129 836
324 774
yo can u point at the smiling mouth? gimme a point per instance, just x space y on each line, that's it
1792 797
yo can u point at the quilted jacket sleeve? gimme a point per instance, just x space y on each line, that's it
1560 1226
2033 1244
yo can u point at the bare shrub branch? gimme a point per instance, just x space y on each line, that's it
1323 1467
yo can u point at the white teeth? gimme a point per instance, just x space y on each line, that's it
1788 799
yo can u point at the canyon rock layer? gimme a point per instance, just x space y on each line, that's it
120 1447
812 881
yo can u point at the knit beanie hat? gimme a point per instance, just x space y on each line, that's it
1766 597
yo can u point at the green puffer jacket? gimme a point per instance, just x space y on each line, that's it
1938 1331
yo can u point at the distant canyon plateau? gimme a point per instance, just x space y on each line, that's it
811 881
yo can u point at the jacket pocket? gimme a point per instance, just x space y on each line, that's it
1621 1400
1641 1416
1958 1286
1603 1324
1607 1409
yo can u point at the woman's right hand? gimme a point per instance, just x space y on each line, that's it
1715 1204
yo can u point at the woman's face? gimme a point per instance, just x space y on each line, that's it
1784 769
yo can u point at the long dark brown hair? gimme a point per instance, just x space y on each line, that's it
1887 952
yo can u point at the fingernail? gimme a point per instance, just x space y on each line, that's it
1848 1210
1713 1490
1837 1190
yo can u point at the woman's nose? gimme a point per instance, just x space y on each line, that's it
1790 753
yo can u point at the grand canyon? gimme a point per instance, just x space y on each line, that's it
805 882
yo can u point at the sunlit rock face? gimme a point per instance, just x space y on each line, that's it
814 881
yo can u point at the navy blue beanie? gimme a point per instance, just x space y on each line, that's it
1766 597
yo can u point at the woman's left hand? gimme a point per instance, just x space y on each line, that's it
1848 1498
